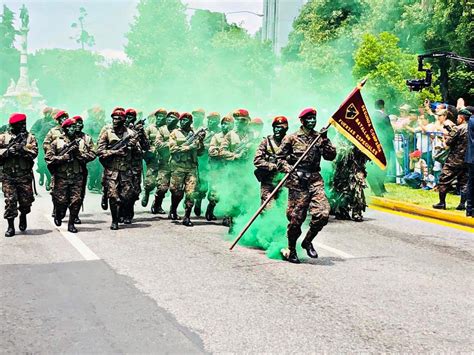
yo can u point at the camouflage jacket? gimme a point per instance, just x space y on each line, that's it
266 155
235 145
184 156
162 145
52 134
21 163
110 159
457 143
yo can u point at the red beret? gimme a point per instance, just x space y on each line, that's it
17 117
256 121
173 113
186 115
131 112
228 119
415 154
61 114
280 120
241 113
68 122
77 118
118 111
307 111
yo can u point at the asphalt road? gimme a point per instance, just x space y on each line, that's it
389 284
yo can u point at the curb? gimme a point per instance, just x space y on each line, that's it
411 208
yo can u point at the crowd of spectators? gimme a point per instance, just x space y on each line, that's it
427 147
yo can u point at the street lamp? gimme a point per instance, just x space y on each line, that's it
244 11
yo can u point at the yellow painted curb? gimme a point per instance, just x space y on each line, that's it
422 211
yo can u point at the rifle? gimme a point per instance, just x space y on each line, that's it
199 134
121 144
67 149
19 139
280 184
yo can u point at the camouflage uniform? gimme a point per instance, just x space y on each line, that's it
162 146
454 166
17 176
348 184
92 127
118 174
88 156
216 163
52 134
183 165
137 162
69 175
40 129
151 159
266 164
305 185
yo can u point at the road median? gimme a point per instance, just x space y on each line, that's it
410 208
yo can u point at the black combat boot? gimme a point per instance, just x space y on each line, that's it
156 206
462 203
104 202
173 215
146 197
114 211
77 220
11 228
293 234
197 208
187 217
70 226
127 214
441 205
293 257
23 223
58 217
210 212
226 221
308 245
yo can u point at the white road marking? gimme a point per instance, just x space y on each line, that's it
78 244
335 251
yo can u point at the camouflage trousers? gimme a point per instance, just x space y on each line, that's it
202 184
18 193
311 199
151 176
348 195
137 181
163 179
119 186
449 174
67 193
183 183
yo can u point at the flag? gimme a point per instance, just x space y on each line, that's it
352 120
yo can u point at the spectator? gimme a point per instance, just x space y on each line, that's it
419 177
454 168
470 164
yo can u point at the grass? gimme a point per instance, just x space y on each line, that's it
425 198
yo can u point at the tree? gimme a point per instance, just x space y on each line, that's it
9 55
83 37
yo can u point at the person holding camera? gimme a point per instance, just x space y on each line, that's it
454 168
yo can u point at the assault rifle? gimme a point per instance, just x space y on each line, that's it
121 144
67 149
200 134
19 139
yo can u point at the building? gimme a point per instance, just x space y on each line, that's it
278 17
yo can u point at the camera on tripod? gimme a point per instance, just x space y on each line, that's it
420 84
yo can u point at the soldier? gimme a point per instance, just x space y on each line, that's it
256 128
92 126
216 164
349 182
163 150
203 179
137 163
67 157
151 157
39 129
306 186
185 146
116 148
454 167
265 158
18 149
88 155
198 118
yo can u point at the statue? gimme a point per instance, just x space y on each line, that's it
24 16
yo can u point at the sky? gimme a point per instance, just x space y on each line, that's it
108 20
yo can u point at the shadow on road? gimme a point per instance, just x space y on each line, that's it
35 232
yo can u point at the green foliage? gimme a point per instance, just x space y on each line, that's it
9 55
83 37
7 31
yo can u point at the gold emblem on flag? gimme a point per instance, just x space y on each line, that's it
351 112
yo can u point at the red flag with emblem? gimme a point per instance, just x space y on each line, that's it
352 120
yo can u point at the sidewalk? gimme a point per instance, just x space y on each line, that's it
456 217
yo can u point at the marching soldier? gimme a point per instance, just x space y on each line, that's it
198 118
116 149
137 164
67 157
185 146
216 164
163 150
256 128
92 126
203 172
454 167
18 149
39 129
151 157
88 155
305 185
265 158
